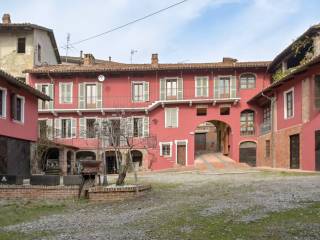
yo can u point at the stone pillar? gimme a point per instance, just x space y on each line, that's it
63 161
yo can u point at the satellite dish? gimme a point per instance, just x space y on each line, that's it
101 78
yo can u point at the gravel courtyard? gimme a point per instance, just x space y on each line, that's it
254 205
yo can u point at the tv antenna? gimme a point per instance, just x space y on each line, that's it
132 52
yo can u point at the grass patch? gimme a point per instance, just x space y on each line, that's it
15 213
187 223
288 173
23 236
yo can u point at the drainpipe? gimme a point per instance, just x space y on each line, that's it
272 103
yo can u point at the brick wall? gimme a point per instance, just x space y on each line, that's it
38 192
262 160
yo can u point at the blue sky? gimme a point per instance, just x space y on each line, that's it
196 31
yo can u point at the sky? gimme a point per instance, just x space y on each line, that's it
195 31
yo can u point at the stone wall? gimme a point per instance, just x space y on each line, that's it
38 192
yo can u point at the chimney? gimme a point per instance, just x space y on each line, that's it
229 60
109 58
88 59
6 18
154 59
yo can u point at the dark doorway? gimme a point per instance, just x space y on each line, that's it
181 154
294 151
111 163
200 143
52 162
317 145
136 157
248 152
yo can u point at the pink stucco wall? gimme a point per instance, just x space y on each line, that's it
26 130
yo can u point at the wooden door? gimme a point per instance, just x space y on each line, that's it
317 148
200 143
295 151
181 154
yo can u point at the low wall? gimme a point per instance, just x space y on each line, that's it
116 193
38 192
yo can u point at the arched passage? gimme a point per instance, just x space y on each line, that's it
212 136
248 153
111 162
137 157
51 159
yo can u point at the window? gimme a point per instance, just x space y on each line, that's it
317 91
91 95
201 111
288 104
266 114
166 149
171 87
224 110
65 92
247 122
137 127
224 87
138 92
17 108
45 128
202 86
91 127
247 81
268 148
66 128
171 117
21 45
3 102
48 90
39 53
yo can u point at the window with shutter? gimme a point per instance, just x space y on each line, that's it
247 81
171 117
202 86
18 104
247 122
3 102
137 126
138 91
67 128
65 93
289 103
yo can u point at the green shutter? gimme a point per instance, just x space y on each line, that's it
99 95
216 88
145 126
49 124
57 127
180 88
129 126
81 95
73 128
82 128
146 91
162 89
198 87
233 87
51 95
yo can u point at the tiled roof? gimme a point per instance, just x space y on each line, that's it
121 67
30 26
20 84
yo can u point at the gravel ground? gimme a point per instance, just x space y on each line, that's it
234 194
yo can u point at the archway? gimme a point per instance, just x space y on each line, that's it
137 157
52 161
248 153
84 155
111 162
212 137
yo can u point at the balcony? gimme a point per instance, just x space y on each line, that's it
265 127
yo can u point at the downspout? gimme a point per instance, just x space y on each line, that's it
272 103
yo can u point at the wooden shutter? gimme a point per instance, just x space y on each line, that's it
180 88
162 89
82 128
130 126
145 126
51 95
49 124
82 95
73 127
99 95
216 87
146 91
233 87
57 127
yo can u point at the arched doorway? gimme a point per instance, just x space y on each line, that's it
111 162
52 161
137 157
211 137
248 153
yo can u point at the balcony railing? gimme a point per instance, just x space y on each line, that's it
265 127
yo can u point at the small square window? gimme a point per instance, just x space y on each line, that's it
225 111
21 45
166 150
202 111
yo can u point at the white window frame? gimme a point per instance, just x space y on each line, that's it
176 89
285 103
133 93
196 78
185 141
23 100
165 143
165 117
4 102
62 99
142 130
61 128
